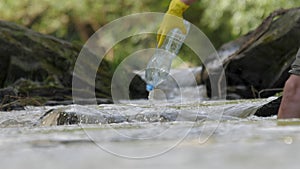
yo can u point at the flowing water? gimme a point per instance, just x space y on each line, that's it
186 133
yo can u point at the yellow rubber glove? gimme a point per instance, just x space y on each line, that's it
172 19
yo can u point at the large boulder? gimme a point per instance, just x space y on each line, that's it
257 64
38 65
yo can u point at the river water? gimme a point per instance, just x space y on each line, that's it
161 134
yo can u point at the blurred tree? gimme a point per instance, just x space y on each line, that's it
224 20
77 20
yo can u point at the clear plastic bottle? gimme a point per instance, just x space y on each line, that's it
159 66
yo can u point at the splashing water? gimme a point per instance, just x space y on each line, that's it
240 138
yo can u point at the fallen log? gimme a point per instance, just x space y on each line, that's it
256 65
38 65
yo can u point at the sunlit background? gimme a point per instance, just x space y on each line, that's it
77 20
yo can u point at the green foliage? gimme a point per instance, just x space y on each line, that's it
77 20
233 18
72 19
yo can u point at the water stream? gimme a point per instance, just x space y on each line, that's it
185 133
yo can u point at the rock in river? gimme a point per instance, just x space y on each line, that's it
257 64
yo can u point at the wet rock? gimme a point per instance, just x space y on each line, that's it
58 117
137 88
261 59
269 109
169 116
74 115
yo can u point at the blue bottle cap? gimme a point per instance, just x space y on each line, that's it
149 87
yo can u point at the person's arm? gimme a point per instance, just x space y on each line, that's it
289 106
173 19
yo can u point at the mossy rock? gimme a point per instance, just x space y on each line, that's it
43 60
260 60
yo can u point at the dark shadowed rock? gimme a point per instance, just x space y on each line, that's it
9 100
269 109
39 65
260 60
137 88
31 55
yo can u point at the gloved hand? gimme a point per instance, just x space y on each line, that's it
172 19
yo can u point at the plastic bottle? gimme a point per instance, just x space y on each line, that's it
159 66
